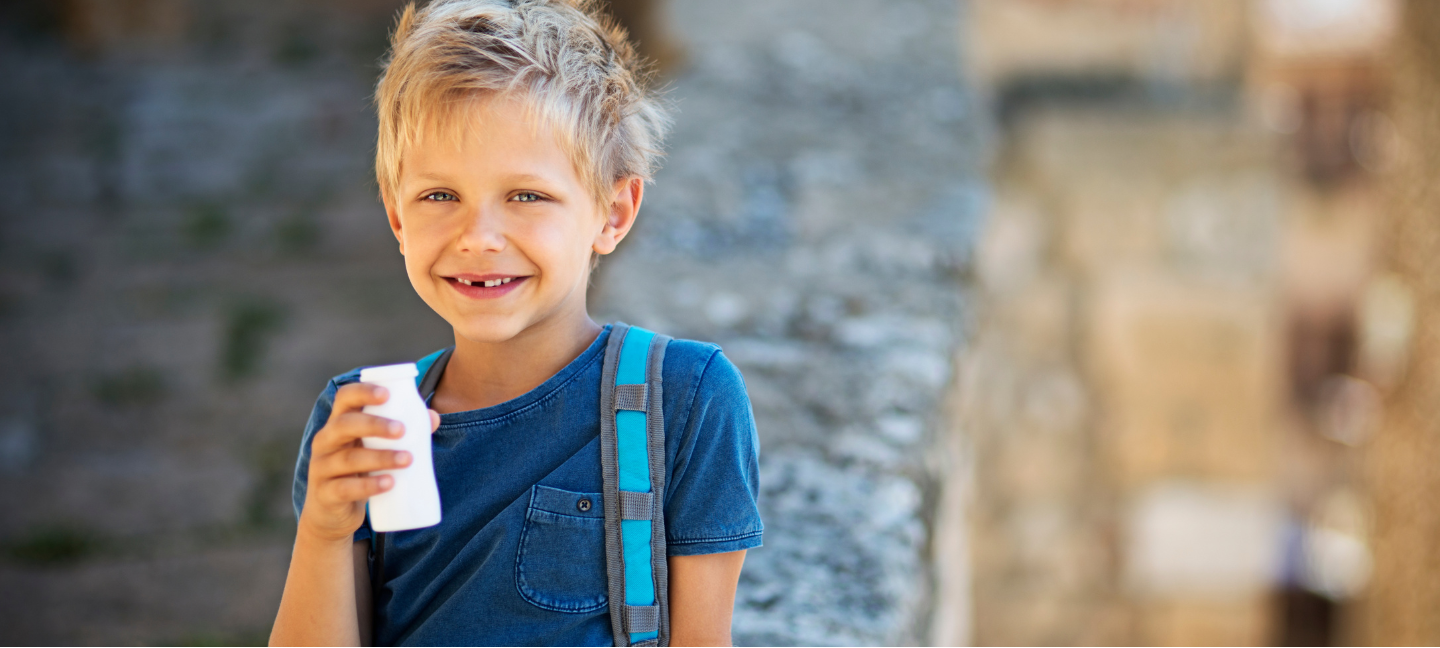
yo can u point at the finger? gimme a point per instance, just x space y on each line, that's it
354 396
354 489
434 421
353 461
359 461
343 430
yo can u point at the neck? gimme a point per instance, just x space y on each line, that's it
483 374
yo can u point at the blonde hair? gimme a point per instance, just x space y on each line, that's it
573 67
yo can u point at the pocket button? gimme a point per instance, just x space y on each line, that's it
583 505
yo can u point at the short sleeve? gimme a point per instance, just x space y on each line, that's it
318 417
712 495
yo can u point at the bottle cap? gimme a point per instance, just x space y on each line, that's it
388 373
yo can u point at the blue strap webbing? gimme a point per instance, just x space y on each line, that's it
632 453
422 366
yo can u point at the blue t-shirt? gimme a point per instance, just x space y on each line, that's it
518 558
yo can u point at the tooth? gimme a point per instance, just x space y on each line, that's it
505 281
492 283
465 281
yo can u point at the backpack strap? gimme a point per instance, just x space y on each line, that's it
428 371
632 456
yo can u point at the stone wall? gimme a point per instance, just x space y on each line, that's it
190 246
815 218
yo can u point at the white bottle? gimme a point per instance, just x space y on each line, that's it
414 501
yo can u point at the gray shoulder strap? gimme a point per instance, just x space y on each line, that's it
632 453
431 367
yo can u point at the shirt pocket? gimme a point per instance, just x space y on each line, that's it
561 561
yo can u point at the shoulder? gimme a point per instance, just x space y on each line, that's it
340 380
689 356
346 378
704 390
326 401
702 368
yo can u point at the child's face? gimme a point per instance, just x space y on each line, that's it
502 206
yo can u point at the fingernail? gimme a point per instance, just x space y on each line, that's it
402 458
382 392
386 480
396 428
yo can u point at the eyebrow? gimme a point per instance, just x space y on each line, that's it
526 177
519 177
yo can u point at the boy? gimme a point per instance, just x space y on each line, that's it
515 141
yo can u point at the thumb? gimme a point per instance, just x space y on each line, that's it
434 420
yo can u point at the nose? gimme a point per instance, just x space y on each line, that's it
484 230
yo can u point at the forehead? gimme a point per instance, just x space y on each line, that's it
486 135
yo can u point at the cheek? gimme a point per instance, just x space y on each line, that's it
424 240
559 244
417 269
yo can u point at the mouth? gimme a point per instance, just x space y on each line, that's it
485 286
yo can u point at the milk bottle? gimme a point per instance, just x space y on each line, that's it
414 501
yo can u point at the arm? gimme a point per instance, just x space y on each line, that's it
321 604
711 509
702 597
327 590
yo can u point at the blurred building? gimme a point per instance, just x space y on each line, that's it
1176 369
1400 320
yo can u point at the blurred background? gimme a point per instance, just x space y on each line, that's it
1065 321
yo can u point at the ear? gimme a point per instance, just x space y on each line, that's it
394 216
623 206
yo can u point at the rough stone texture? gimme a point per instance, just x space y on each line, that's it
190 246
815 219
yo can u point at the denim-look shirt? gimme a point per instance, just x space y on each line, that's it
519 556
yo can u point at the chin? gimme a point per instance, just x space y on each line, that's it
488 329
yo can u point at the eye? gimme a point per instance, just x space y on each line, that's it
527 196
440 196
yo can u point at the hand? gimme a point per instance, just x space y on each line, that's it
340 464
